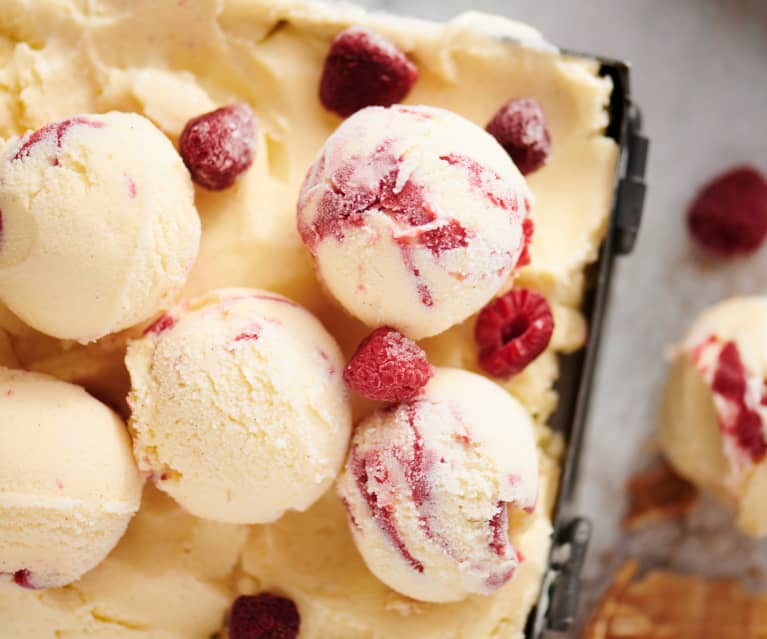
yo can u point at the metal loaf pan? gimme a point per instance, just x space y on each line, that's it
558 601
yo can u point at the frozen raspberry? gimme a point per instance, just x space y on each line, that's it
388 366
263 616
520 128
217 147
729 215
362 69
512 331
23 578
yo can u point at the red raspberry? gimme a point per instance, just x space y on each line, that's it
388 366
219 146
512 331
362 69
729 215
264 616
520 128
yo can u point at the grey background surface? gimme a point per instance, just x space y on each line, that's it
700 76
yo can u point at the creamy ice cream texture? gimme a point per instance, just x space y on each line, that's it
57 60
168 578
429 483
714 411
239 410
99 227
414 216
68 482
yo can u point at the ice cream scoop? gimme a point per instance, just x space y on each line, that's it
414 217
239 408
714 409
68 481
98 228
430 486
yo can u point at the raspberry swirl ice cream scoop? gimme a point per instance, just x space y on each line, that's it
713 420
415 217
98 227
430 486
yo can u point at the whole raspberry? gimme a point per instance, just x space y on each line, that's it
512 331
362 69
729 215
263 616
520 128
388 366
219 146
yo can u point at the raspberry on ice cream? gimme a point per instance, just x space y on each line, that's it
713 419
414 217
68 481
99 227
263 616
388 366
219 146
729 215
512 331
239 409
363 69
429 483
520 128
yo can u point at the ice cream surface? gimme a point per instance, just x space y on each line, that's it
713 419
173 61
168 578
406 230
99 227
68 482
239 410
428 485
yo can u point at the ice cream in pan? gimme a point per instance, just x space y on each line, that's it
68 482
239 411
432 216
714 409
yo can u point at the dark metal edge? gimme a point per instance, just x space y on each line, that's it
558 601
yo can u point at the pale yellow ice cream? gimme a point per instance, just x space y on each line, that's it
713 419
429 484
99 227
239 410
174 60
168 578
68 482
414 216
310 557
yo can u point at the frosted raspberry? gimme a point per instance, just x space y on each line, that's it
219 146
520 128
512 331
729 215
388 366
264 616
23 578
363 69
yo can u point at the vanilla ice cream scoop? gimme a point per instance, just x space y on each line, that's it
68 482
430 485
713 418
98 228
414 217
239 408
